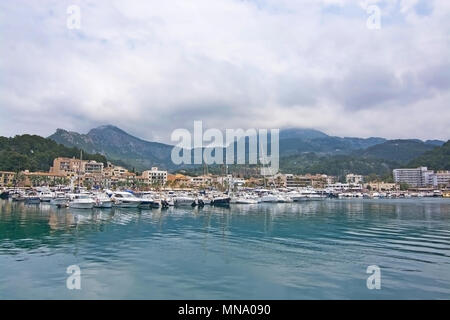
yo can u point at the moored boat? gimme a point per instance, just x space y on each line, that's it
123 199
102 201
32 198
81 201
184 201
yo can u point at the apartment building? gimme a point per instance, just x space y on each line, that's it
421 177
7 178
70 166
201 180
354 178
155 176
92 167
316 181
441 178
415 177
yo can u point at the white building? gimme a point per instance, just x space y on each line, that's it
441 178
417 177
155 176
201 180
93 167
338 186
354 178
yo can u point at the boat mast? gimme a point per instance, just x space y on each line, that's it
79 168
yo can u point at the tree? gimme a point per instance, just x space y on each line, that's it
404 186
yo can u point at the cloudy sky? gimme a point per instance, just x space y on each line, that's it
150 67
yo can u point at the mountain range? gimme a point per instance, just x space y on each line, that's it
122 148
118 146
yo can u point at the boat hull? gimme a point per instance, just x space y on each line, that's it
221 202
126 204
33 200
81 205
103 204
58 201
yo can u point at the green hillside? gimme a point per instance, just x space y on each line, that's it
401 151
336 165
436 159
35 153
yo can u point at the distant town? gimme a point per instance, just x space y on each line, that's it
91 174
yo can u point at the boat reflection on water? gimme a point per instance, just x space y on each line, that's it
222 252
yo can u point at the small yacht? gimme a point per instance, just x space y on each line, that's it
32 198
282 198
245 200
184 201
297 196
221 201
18 196
46 196
269 198
59 198
125 199
169 201
81 201
312 194
151 200
102 201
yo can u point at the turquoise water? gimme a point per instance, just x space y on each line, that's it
310 250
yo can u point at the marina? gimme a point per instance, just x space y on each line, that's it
295 250
83 199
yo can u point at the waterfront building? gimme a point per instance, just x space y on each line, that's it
308 180
422 177
178 180
66 166
117 171
416 177
35 179
7 178
345 187
204 180
155 176
382 186
441 178
354 178
71 166
92 167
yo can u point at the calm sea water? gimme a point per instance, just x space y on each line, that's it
310 250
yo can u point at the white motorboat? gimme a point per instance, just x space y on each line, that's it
315 196
169 201
244 200
32 198
102 201
81 201
151 201
123 199
18 196
297 197
184 201
60 198
45 196
269 198
284 198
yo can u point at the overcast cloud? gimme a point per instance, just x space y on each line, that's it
150 67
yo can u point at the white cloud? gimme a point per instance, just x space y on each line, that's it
150 66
